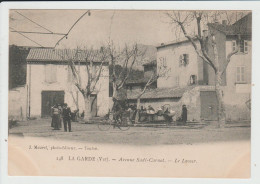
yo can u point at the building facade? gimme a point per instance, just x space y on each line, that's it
50 81
190 81
187 69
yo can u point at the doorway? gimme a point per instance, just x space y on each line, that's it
49 99
209 105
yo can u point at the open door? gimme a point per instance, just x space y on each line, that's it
49 99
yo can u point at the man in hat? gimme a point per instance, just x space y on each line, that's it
184 114
66 117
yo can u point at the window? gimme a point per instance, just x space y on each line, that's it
240 74
184 60
243 46
193 79
163 61
234 45
50 73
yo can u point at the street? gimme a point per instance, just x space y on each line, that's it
135 135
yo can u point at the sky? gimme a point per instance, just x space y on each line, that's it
123 27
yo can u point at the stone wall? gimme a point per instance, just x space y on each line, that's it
17 103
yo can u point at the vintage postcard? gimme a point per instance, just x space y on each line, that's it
130 93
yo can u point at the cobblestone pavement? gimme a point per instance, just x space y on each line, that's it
135 135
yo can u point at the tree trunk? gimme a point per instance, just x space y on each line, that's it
87 115
221 110
137 110
114 97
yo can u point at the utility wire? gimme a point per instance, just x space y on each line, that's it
27 37
35 32
34 22
72 27
110 28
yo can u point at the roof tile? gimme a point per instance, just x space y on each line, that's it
58 55
159 93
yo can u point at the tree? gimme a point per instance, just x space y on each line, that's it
161 71
93 73
126 57
184 20
17 66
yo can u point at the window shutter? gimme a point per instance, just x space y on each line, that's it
180 60
187 59
246 46
238 74
242 74
234 45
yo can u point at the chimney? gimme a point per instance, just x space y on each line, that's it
205 33
224 22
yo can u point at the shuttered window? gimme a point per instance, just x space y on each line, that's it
184 60
240 74
50 73
243 46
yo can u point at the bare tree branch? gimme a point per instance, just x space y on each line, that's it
230 55
102 60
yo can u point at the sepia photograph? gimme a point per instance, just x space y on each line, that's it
130 93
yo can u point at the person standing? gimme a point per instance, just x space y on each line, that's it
184 114
55 117
60 115
66 117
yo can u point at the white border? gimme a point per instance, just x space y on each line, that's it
162 5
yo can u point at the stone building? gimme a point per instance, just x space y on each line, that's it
50 81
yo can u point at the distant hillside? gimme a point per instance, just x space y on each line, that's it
150 54
134 75
137 72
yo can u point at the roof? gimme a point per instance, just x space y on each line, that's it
159 93
143 80
242 26
150 63
58 55
231 29
184 40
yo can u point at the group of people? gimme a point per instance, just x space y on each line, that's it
61 113
119 107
